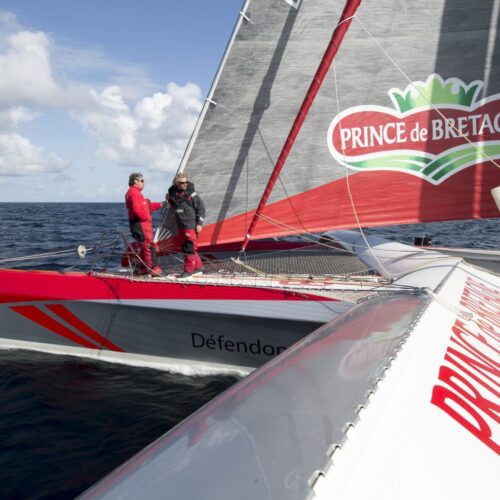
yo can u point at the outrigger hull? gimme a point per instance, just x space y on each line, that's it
146 321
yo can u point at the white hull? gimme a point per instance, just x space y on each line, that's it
372 405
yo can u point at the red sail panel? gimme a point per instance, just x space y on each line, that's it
380 198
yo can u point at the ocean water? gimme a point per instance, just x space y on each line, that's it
66 422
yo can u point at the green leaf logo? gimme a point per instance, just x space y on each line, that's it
435 92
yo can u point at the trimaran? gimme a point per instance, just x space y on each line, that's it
397 394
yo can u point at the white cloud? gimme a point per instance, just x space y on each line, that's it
8 24
151 110
11 118
91 65
132 125
26 71
26 84
18 156
153 134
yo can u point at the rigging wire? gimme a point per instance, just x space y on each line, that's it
348 185
314 238
314 87
280 180
45 255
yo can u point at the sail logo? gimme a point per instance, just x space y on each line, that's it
436 129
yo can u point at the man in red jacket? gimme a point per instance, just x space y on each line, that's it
141 222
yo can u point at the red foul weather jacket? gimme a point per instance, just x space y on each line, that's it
139 214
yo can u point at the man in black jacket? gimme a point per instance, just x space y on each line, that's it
189 214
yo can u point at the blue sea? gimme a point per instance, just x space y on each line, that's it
67 422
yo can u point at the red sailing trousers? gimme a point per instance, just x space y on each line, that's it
146 244
192 260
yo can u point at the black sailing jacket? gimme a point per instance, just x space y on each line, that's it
188 207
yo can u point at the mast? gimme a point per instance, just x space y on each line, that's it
337 37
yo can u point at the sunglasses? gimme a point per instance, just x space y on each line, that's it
140 180
183 182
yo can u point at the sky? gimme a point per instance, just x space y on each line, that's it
92 90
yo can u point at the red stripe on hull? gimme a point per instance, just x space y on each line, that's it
77 323
40 318
29 286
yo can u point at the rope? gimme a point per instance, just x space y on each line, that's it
246 266
283 225
349 192
40 256
461 313
280 180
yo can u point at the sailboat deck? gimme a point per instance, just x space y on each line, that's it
316 261
320 270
